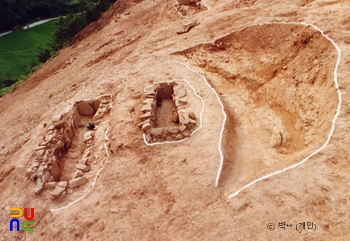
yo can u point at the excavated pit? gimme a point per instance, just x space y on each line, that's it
168 112
73 153
166 108
72 146
277 85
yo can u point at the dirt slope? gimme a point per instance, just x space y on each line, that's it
276 77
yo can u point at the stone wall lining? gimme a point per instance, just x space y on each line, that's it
186 120
45 169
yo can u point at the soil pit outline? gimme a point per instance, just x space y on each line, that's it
150 87
333 121
279 171
69 145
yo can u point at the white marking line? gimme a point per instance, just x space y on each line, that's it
251 6
200 118
205 4
237 3
178 12
255 3
334 118
92 184
223 122
98 173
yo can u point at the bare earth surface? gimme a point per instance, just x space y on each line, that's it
275 66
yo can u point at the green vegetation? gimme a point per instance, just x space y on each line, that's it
22 51
70 25
18 50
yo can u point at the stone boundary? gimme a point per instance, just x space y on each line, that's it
186 118
200 119
95 179
45 169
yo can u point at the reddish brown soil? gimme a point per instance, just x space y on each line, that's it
276 82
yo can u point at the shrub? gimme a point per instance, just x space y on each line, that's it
71 24
6 82
43 54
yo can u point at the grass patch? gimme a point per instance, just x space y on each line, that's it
18 50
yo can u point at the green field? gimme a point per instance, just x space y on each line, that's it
18 50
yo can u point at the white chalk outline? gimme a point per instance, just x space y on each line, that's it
200 118
98 173
335 79
255 3
223 122
334 119
237 3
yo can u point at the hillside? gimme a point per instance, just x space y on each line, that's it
257 133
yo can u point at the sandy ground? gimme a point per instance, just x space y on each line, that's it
281 71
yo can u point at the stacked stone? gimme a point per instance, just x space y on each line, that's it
187 123
148 110
187 118
45 168
58 138
103 108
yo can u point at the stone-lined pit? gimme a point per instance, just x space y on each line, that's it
276 82
67 151
166 114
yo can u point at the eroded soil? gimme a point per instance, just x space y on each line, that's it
276 83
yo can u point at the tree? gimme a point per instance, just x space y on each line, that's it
71 24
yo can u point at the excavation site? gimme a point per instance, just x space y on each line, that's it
168 113
72 150
181 120
277 86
